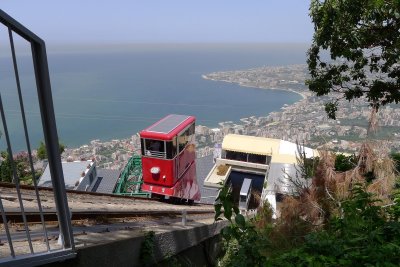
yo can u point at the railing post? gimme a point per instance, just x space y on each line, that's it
51 140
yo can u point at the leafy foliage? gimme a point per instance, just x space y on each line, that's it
362 38
341 219
6 173
225 201
361 236
21 162
243 244
344 163
42 152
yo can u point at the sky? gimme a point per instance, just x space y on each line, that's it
164 21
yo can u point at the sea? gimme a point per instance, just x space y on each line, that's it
112 92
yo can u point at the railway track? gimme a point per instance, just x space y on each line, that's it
95 217
89 205
34 217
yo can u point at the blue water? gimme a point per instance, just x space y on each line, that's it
107 94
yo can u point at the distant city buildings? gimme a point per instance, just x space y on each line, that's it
305 121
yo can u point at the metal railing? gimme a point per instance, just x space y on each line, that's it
31 255
130 181
155 154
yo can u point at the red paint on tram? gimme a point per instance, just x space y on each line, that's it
168 158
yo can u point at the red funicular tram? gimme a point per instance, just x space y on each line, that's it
168 158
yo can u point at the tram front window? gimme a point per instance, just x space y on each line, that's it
154 148
261 159
233 155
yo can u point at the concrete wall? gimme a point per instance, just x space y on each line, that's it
122 248
203 254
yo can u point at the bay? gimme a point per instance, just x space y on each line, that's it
114 92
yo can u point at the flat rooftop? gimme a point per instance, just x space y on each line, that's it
168 124
72 173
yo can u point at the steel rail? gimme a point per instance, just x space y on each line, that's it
76 192
34 217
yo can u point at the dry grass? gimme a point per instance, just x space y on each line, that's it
312 206
222 169
310 209
330 187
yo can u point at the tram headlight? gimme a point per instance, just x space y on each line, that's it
155 170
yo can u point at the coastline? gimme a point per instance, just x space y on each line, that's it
303 96
205 77
122 149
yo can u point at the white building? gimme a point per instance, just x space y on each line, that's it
268 162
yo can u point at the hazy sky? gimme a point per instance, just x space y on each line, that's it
160 21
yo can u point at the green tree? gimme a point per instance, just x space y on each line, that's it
21 162
42 152
5 168
362 39
344 163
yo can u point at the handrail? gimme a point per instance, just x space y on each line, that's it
131 178
44 95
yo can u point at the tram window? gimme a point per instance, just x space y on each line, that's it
171 149
183 140
261 159
154 148
236 156
191 131
230 155
186 137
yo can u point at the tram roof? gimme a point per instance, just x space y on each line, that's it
280 150
167 127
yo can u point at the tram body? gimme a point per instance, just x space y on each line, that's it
169 158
